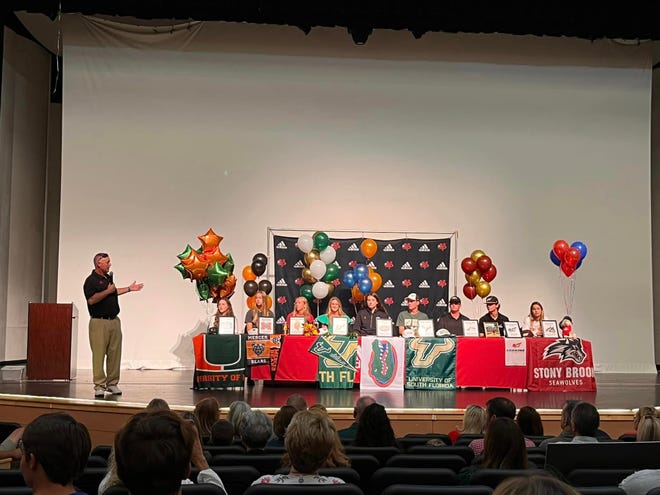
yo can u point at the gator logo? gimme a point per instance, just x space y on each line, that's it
382 363
566 350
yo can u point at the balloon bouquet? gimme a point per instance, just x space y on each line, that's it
569 260
250 273
363 279
212 271
479 273
320 270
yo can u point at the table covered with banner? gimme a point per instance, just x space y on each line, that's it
429 363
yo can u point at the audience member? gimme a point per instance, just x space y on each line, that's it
337 456
318 408
9 446
535 484
308 441
497 407
154 452
530 422
255 430
207 412
566 434
222 433
648 429
374 428
584 422
55 448
641 482
235 415
280 424
297 401
360 405
474 422
640 413
157 404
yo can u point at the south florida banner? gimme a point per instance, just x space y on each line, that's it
382 363
431 363
337 360
219 361
560 365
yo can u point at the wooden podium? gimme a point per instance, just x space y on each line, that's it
52 346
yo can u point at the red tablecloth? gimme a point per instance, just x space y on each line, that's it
295 363
480 363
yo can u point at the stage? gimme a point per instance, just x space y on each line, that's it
411 410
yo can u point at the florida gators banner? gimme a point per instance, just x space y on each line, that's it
337 360
431 363
219 361
560 365
382 363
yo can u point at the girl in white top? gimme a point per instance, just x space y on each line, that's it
531 326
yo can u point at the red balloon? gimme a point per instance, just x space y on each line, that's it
489 274
484 263
559 248
468 265
568 270
470 291
572 257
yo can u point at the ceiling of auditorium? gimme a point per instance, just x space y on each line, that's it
629 21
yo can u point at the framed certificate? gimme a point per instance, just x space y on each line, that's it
266 325
470 328
491 329
226 325
425 328
339 326
296 325
383 327
550 329
512 330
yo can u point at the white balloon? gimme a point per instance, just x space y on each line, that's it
319 289
328 255
305 243
317 268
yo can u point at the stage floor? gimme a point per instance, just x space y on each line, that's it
616 392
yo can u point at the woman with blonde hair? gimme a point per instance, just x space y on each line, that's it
648 428
531 326
334 311
337 457
300 308
474 422
207 412
259 310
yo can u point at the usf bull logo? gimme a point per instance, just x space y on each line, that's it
383 363
566 350
425 352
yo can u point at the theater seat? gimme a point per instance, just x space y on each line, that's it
381 453
402 489
464 451
453 462
102 451
387 476
600 490
269 489
264 463
598 477
203 489
493 477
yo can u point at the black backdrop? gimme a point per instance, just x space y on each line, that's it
405 265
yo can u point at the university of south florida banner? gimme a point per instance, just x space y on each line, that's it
560 365
219 361
431 363
337 360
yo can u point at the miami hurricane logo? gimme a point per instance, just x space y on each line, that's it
566 350
382 363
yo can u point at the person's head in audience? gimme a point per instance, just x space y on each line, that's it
504 445
318 408
55 448
500 407
361 404
157 404
536 484
374 428
309 441
255 429
529 421
222 433
192 419
474 420
282 419
641 412
235 414
585 419
648 429
566 413
208 412
337 456
153 453
297 401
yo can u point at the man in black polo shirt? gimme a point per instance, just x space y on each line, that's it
104 324
452 321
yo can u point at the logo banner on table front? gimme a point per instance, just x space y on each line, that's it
515 352
219 361
383 361
337 359
431 363
562 365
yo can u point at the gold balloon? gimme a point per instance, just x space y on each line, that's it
476 254
473 278
308 277
483 288
313 255
331 289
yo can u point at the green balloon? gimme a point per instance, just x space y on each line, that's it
306 292
182 270
321 241
203 291
229 264
331 272
186 253
216 274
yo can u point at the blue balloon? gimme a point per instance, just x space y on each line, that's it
582 247
349 278
361 272
364 285
554 259
577 267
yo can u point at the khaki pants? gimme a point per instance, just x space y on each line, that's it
105 340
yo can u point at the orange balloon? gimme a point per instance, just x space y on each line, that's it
376 281
195 266
248 274
357 295
215 255
227 288
250 302
368 248
209 240
269 302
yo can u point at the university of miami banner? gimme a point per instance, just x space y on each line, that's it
337 360
431 363
383 363
219 361
562 365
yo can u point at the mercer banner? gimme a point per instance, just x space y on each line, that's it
562 365
219 361
431 363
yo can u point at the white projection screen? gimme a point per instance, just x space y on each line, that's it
512 142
